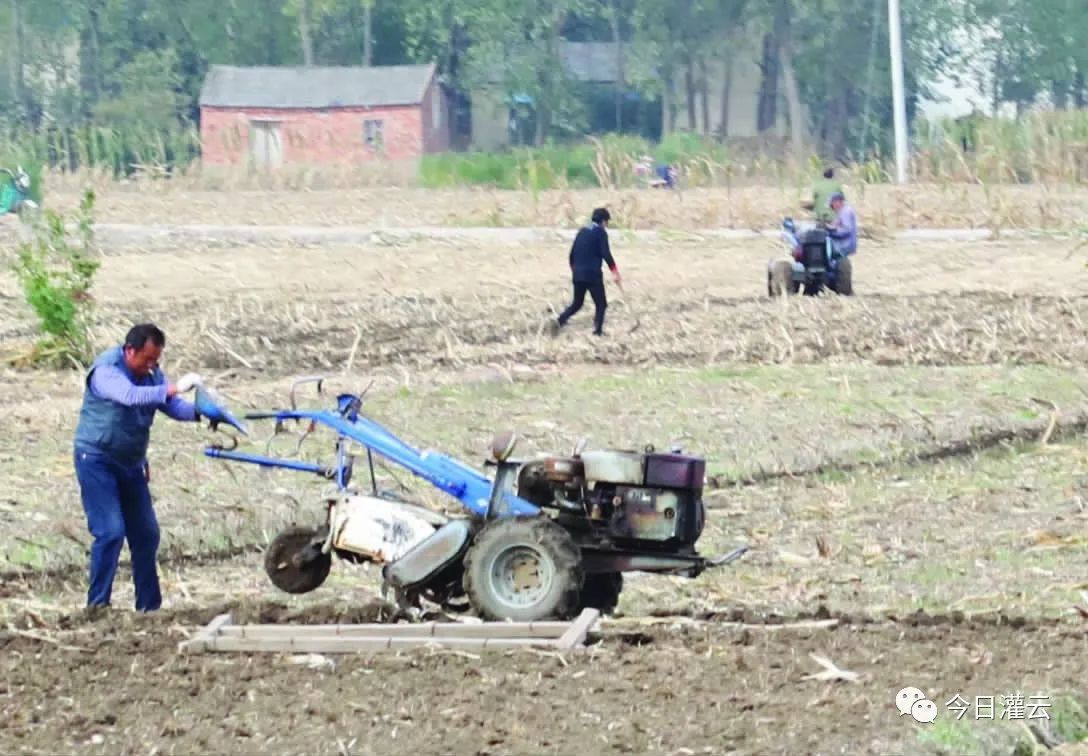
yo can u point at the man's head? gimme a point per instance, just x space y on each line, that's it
601 216
837 200
143 348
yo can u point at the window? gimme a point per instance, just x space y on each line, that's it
372 133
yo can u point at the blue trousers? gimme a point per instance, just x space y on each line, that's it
117 502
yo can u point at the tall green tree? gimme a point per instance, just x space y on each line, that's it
515 44
1039 49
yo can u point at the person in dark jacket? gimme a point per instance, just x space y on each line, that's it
124 388
589 250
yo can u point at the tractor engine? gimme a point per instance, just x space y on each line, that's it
648 500
814 249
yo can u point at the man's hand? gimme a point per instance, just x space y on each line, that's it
616 277
188 382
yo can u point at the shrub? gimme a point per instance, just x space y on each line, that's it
56 275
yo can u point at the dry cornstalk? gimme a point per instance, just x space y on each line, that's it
226 348
830 671
43 638
354 347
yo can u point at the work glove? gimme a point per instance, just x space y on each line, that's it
188 382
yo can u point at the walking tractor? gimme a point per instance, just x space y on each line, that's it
543 538
814 267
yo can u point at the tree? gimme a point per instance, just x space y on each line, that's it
516 45
1038 48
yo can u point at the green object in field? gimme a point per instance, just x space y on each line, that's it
8 195
821 198
14 190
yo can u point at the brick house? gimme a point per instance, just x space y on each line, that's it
312 115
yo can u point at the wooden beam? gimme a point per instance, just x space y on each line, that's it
303 644
579 629
207 635
422 630
222 635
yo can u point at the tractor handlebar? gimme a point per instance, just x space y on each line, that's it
347 404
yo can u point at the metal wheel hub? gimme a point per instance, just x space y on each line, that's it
521 575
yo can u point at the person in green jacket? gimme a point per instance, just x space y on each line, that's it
821 196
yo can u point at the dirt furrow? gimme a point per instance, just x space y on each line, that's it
452 333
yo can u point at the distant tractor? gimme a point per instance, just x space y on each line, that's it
815 265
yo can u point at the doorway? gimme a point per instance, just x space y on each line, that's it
266 143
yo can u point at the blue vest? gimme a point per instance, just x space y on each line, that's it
112 428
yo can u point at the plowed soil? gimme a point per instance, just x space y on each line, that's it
746 205
843 437
262 311
119 685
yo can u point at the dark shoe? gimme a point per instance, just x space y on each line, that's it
95 612
598 333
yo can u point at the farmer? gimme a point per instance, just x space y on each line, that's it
122 392
821 196
667 175
589 250
843 230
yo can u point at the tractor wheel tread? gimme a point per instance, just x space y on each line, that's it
780 279
292 579
844 282
560 603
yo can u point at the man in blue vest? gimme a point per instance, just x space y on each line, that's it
122 392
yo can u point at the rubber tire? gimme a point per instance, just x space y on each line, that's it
292 579
602 591
844 279
780 279
552 542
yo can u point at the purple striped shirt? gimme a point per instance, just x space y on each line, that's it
108 382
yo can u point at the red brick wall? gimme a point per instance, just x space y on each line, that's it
313 136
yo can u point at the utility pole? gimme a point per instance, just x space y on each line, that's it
895 42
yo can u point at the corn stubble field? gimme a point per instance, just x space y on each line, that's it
908 462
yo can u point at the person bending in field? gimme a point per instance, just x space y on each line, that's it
123 390
589 250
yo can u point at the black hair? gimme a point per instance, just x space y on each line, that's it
139 335
829 172
601 214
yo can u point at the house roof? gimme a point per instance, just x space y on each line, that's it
315 86
583 61
590 61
